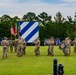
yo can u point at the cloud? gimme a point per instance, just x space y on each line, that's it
21 7
69 0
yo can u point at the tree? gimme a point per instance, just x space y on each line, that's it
70 19
30 16
59 18
75 17
43 18
5 26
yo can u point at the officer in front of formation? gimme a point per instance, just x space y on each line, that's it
37 46
5 44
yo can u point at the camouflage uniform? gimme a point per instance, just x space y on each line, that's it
69 42
15 45
74 42
5 44
50 46
11 45
37 46
24 47
20 47
66 50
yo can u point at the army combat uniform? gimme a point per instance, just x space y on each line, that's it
66 49
5 44
74 42
24 47
69 42
50 46
20 47
11 45
37 47
15 45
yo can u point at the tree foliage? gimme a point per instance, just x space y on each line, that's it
59 28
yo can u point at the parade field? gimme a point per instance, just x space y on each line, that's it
37 65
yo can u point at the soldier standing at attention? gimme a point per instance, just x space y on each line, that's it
50 46
37 47
5 44
74 42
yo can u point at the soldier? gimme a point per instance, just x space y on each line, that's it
66 49
15 45
74 42
37 47
5 44
11 45
50 46
24 47
20 47
69 42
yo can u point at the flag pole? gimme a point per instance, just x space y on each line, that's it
10 32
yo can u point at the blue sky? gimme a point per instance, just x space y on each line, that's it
21 7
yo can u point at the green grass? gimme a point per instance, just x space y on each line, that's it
33 65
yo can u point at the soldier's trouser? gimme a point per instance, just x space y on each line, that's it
5 50
15 48
50 51
70 50
66 51
11 48
19 51
24 50
37 52
74 48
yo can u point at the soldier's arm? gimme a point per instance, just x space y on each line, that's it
8 43
72 42
1 42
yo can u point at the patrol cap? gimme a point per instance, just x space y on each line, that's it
66 38
51 38
38 38
5 37
75 38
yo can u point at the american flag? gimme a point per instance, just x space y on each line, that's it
12 30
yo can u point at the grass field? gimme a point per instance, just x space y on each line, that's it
33 65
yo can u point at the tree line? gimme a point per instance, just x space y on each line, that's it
57 28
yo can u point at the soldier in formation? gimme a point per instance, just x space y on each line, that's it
5 44
69 42
24 47
66 50
11 45
37 47
21 47
74 42
15 44
50 46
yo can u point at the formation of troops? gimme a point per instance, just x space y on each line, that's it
20 46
